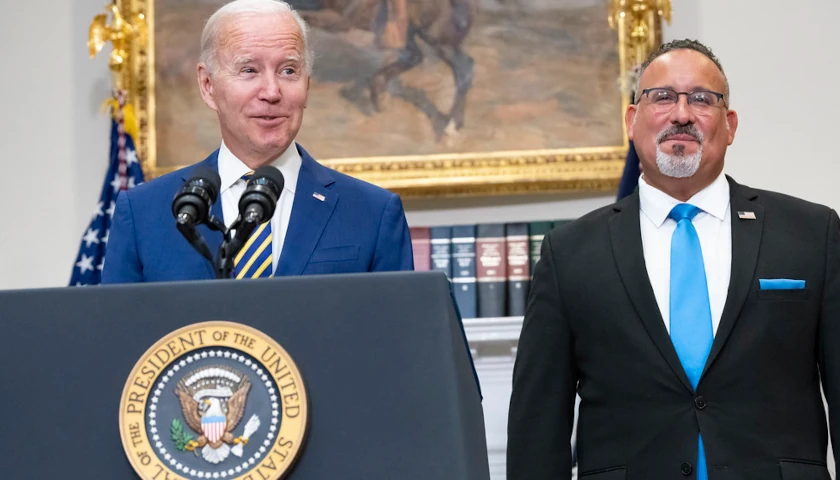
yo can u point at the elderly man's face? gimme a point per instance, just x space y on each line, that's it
261 87
682 142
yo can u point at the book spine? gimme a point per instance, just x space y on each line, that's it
421 248
441 238
463 269
536 233
491 271
519 272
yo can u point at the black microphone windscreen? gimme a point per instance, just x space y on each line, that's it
210 176
272 174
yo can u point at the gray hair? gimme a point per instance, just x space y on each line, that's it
680 45
209 36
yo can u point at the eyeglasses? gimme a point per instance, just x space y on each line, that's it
667 98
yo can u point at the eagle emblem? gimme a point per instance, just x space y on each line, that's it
213 402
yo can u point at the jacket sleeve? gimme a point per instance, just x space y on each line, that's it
393 242
122 263
542 402
829 354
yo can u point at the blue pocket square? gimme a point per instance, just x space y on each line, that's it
780 284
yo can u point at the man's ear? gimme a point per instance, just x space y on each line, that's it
205 85
630 119
732 124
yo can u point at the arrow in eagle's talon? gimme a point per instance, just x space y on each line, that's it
243 441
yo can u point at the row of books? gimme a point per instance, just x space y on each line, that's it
490 264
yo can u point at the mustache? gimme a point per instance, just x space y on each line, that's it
680 130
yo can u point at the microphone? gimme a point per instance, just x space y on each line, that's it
259 200
192 204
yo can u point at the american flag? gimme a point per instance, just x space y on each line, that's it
124 172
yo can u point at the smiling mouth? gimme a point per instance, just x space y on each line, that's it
680 138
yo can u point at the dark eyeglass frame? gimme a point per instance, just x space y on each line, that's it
720 96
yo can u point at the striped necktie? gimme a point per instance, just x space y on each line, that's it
254 260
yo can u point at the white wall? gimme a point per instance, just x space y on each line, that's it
51 137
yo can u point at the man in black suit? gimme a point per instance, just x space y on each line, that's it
695 318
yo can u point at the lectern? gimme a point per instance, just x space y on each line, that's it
100 381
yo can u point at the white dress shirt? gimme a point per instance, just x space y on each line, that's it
231 170
714 227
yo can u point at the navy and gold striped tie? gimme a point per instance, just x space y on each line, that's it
254 260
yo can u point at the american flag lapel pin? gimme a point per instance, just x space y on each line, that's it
746 215
322 198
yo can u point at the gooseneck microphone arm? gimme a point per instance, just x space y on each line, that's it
191 234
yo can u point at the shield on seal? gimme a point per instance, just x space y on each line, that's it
213 421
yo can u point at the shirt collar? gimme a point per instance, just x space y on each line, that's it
231 168
656 204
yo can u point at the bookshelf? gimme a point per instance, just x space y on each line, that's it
493 341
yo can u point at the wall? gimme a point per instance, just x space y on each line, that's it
52 135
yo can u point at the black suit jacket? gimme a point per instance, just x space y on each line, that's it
593 326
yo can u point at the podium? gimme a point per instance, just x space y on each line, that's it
390 387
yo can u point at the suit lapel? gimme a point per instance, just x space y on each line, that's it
309 215
746 239
626 240
213 238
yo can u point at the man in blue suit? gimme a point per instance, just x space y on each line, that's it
254 72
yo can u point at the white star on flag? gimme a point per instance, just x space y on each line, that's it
101 265
104 239
116 183
92 236
85 264
110 210
131 182
97 212
130 156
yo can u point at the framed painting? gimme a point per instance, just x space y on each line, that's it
425 97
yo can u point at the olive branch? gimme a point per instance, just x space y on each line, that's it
179 435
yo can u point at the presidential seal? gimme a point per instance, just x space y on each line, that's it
215 400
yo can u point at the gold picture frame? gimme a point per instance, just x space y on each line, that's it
637 24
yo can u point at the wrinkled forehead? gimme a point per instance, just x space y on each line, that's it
683 70
253 29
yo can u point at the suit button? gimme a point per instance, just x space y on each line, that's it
686 469
700 403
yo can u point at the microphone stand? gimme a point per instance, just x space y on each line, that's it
224 263
188 230
231 245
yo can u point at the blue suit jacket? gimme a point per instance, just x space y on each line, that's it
358 227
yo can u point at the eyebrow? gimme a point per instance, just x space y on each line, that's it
242 60
245 59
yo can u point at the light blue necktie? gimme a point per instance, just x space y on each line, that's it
254 260
691 314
